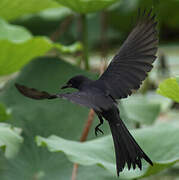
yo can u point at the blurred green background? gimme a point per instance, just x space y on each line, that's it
45 43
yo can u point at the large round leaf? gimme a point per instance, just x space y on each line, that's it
18 47
170 88
45 118
13 56
13 9
145 108
101 151
86 6
65 120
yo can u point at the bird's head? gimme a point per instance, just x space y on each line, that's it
75 82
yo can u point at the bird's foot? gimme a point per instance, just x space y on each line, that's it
97 130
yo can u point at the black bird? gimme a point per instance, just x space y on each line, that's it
126 72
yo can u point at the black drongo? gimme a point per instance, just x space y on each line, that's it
126 72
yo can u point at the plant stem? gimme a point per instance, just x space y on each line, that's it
74 172
83 138
85 40
62 28
87 125
104 27
104 45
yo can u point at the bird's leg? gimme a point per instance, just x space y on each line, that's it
97 127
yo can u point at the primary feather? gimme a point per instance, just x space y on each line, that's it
130 65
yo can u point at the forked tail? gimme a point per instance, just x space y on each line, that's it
126 148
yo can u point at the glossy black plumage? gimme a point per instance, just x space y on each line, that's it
126 72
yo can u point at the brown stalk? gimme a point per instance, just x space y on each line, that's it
83 138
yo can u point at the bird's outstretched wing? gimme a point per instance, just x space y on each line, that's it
81 98
88 99
34 93
129 67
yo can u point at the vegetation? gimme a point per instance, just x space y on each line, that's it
43 44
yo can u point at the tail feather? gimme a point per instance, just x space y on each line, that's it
138 149
126 148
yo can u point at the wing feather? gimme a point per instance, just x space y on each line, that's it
96 101
129 67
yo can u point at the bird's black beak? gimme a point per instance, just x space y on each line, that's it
66 86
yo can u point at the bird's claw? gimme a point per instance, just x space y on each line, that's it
98 130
